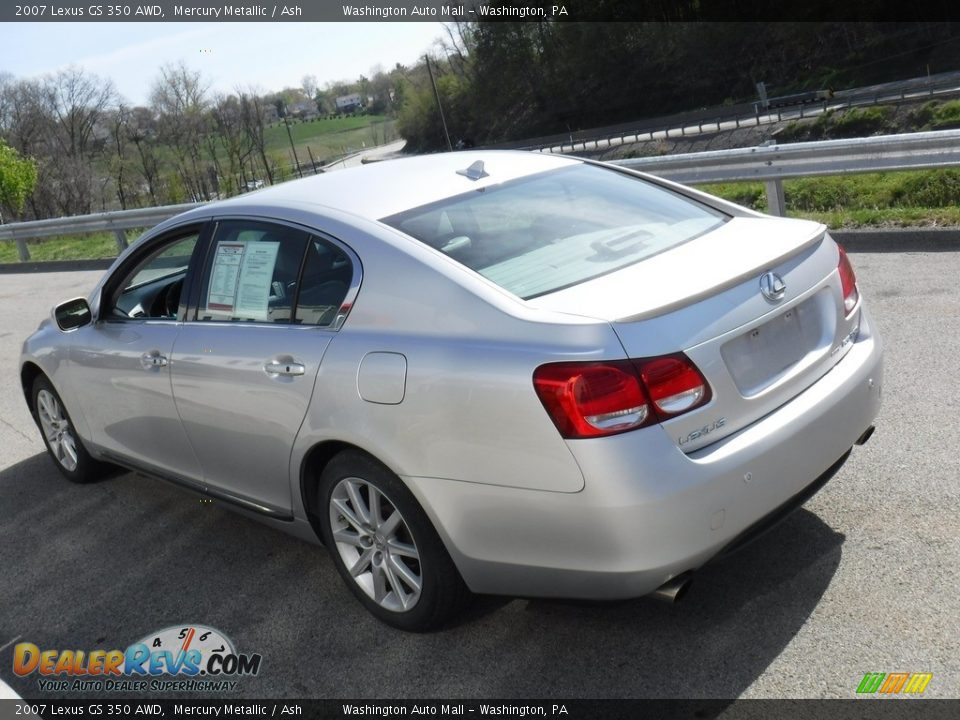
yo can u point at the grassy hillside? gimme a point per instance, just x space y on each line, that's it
328 139
68 247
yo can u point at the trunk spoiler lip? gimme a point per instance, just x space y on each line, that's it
817 237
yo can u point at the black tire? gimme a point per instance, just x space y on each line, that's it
87 469
443 593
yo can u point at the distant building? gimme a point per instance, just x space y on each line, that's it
349 103
304 109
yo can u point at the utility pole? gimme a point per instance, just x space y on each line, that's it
292 148
439 106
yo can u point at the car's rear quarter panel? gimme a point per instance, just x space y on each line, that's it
469 412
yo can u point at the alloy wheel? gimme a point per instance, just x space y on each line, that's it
57 430
375 544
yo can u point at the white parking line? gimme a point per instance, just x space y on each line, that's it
7 692
6 645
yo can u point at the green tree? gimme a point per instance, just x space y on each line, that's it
18 177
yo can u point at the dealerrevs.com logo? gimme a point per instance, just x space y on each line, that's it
175 659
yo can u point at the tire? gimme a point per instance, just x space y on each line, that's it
59 435
389 554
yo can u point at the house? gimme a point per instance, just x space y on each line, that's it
349 103
303 109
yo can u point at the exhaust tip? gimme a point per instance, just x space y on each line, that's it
673 591
862 440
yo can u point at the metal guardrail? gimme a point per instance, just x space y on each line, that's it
770 164
118 221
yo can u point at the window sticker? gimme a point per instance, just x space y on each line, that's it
256 280
222 295
241 279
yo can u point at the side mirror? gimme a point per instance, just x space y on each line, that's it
72 314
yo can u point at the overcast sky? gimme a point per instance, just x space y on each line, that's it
268 55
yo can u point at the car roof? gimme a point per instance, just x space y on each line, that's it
381 189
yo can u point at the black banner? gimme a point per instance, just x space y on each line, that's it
865 709
472 10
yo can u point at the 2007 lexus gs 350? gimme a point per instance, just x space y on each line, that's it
480 372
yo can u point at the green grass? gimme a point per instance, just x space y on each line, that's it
89 246
884 218
936 115
849 123
303 132
921 197
328 139
857 122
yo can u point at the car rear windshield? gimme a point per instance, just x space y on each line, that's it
559 228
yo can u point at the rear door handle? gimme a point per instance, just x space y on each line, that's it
151 360
275 367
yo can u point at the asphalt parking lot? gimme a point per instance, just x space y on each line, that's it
863 579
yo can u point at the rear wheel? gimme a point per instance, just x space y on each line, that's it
385 547
64 445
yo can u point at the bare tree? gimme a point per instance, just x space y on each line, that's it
457 45
309 85
235 139
253 110
78 101
120 136
78 104
179 98
142 132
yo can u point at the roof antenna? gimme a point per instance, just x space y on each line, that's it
475 171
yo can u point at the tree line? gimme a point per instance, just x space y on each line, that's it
71 145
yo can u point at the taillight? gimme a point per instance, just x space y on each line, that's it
673 384
848 282
592 399
587 399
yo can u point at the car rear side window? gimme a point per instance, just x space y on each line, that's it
251 272
327 274
556 229
262 272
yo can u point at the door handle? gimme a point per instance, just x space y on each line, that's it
275 367
151 360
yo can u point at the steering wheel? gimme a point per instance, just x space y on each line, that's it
170 299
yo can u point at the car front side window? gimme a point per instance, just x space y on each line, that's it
153 287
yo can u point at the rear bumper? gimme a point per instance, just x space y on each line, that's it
648 512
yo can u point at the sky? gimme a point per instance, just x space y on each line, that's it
269 56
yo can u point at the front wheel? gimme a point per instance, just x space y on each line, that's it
59 435
385 547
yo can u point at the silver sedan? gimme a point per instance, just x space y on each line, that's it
483 372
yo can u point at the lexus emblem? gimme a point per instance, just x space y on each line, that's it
772 286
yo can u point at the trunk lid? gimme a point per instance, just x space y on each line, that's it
704 298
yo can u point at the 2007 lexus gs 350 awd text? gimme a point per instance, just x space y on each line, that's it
480 372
